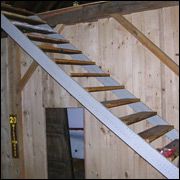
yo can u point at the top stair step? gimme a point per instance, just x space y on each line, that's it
22 18
155 132
46 39
30 28
9 8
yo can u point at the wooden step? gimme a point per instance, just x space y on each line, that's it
42 38
22 18
73 62
119 102
155 132
90 75
173 145
52 49
9 8
30 28
103 88
134 118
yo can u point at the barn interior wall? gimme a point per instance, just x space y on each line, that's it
118 53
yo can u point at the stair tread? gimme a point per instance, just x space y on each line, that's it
41 38
31 28
9 8
22 18
134 118
119 102
52 49
171 145
103 88
155 132
90 75
73 62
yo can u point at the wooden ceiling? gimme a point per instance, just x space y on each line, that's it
42 6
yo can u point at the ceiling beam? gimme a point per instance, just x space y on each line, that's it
102 9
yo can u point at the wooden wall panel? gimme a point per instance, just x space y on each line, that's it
11 104
6 160
117 52
34 123
142 74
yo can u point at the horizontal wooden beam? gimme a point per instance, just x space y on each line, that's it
164 58
94 11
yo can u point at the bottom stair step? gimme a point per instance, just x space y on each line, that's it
134 118
155 132
171 151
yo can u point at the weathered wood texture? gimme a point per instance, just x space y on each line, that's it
58 144
27 75
34 123
31 131
147 43
121 55
21 18
11 104
93 11
9 8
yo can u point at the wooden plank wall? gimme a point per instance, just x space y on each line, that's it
116 51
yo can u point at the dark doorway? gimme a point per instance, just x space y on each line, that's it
60 148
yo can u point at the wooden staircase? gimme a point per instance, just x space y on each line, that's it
33 34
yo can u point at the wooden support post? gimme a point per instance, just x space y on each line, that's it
15 106
147 43
27 75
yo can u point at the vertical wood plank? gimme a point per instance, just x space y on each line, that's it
15 103
6 157
34 122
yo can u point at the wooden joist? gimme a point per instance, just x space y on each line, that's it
90 75
30 28
52 49
164 58
137 117
73 62
173 145
46 39
119 102
22 18
9 8
155 132
92 12
103 88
